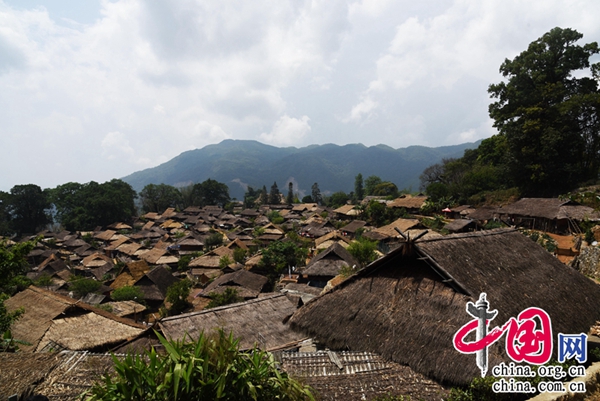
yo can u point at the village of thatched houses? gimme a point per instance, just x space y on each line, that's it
386 329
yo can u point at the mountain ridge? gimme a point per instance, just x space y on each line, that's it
239 163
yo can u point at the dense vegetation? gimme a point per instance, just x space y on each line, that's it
548 122
212 368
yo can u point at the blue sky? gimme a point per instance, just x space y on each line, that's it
93 90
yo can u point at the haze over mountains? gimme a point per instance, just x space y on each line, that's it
239 163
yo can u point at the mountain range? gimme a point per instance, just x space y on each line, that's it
239 163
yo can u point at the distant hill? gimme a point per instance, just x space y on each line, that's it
239 163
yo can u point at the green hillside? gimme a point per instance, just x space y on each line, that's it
239 162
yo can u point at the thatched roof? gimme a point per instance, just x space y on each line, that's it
87 332
260 321
105 235
206 261
353 226
459 224
329 262
357 376
389 231
408 202
155 283
549 208
240 279
51 318
408 305
153 255
126 308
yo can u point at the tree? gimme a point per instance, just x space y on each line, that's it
274 195
128 293
549 118
250 198
279 256
211 192
307 199
337 199
210 368
86 206
229 296
264 196
363 251
290 196
386 188
370 183
27 206
316 194
13 265
157 198
82 286
359 192
177 295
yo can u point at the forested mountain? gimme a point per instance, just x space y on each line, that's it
241 162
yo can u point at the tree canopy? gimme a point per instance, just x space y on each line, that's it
547 113
157 198
86 206
548 116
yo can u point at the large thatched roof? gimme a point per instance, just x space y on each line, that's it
549 208
241 279
54 321
329 262
408 305
260 321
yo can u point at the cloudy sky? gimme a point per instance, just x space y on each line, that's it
94 90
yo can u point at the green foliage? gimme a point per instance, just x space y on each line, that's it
211 192
239 255
212 368
224 261
13 266
274 195
480 389
183 262
26 208
81 207
370 183
279 255
157 198
541 238
214 239
128 293
251 197
290 196
548 117
8 318
337 199
346 271
177 295
307 199
316 194
363 250
275 217
83 286
43 281
388 189
106 307
436 223
359 191
229 296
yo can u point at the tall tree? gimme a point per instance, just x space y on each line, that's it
250 198
370 183
211 192
359 191
316 194
290 195
549 117
274 195
158 197
86 206
28 207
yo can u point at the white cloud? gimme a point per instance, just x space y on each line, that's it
164 77
288 131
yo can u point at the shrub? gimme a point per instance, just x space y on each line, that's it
83 286
229 296
212 368
128 293
177 295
